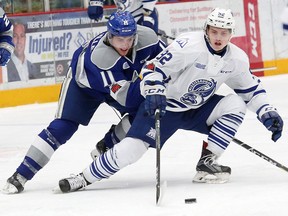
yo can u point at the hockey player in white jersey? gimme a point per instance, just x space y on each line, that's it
93 79
143 11
181 82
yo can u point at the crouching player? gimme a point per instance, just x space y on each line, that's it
181 82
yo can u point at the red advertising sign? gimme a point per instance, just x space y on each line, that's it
251 42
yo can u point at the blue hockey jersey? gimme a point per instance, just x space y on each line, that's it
114 79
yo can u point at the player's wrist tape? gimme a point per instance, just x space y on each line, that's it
265 109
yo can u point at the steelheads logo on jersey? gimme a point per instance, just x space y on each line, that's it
199 91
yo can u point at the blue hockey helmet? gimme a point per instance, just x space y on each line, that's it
121 23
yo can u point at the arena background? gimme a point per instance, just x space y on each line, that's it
51 39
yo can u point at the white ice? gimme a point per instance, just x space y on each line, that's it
256 187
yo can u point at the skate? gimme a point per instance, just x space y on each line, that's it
209 171
73 183
15 184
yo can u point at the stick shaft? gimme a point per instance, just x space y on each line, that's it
157 139
260 154
166 36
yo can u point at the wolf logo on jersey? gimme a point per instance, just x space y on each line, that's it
199 92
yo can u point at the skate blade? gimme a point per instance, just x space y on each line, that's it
217 178
163 188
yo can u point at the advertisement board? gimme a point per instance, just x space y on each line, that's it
48 41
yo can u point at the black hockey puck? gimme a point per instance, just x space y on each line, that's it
190 200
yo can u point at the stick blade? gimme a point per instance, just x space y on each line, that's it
159 199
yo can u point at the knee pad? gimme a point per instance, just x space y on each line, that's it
61 130
128 151
230 104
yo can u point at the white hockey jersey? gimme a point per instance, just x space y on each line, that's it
193 74
136 7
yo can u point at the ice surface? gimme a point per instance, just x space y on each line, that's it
256 188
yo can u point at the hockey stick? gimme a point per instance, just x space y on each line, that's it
165 36
260 154
157 139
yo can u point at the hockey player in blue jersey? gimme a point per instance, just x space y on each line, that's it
181 82
143 11
92 79
6 37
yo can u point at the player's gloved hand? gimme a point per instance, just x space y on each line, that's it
122 5
148 20
155 93
5 56
95 10
272 121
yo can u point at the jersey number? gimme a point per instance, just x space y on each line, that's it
107 77
164 57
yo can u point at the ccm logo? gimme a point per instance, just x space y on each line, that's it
252 28
155 91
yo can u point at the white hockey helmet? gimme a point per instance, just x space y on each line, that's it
220 18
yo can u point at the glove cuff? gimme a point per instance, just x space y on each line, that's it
7 46
265 109
154 88
96 3
149 19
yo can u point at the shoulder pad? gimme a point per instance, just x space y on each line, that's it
103 56
146 37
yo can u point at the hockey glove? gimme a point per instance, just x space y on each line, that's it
155 93
95 10
5 56
148 19
272 121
